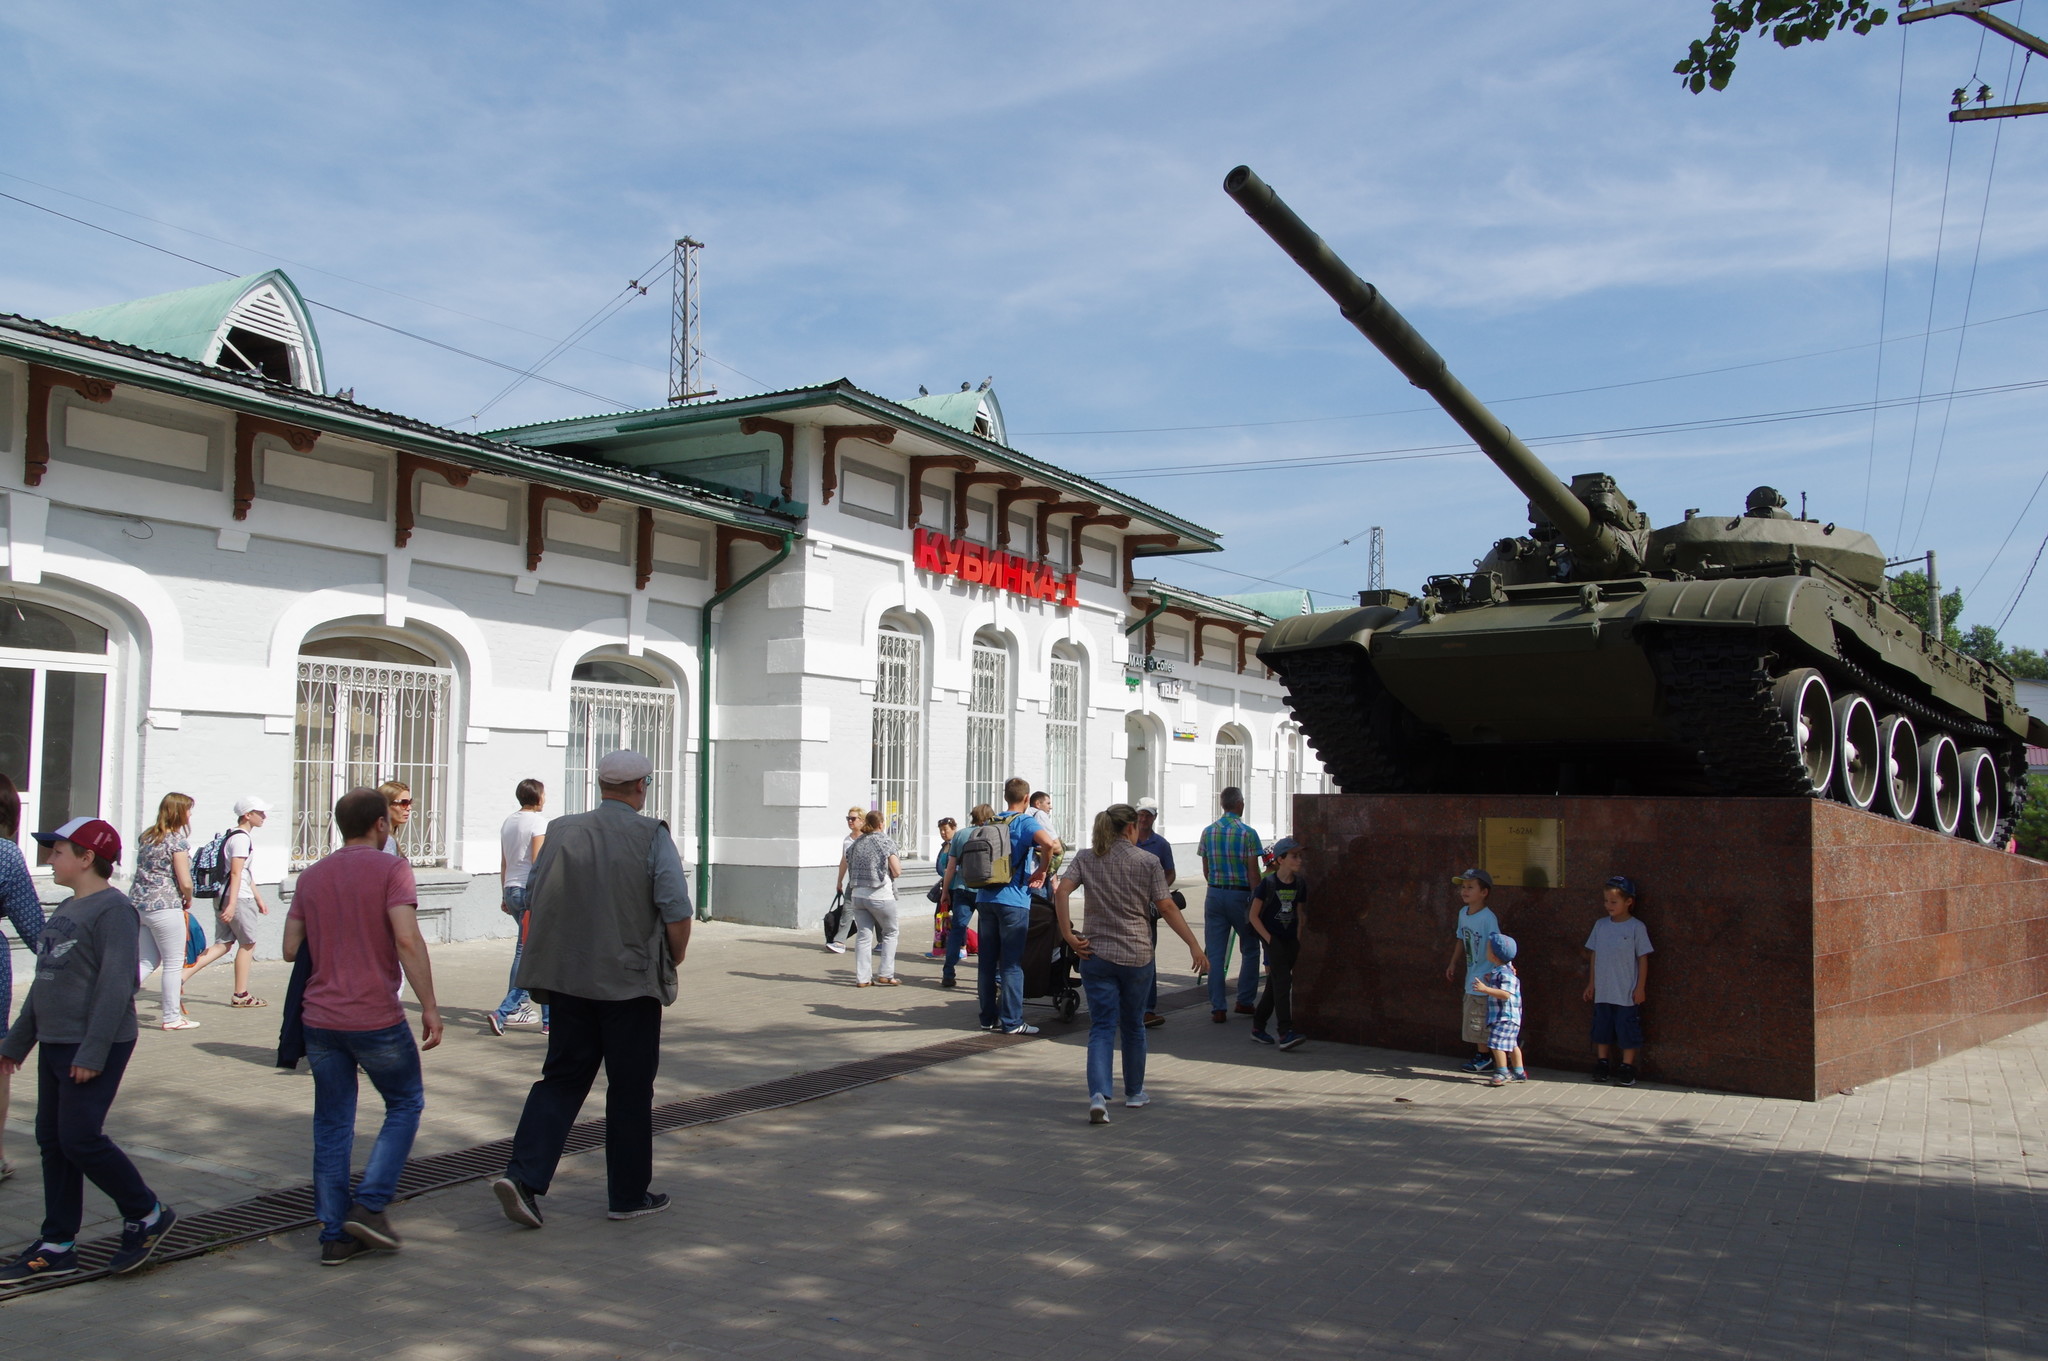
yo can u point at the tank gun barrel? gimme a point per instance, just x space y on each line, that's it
1364 307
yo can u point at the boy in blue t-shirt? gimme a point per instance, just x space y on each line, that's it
1476 925
1502 988
1618 982
1006 915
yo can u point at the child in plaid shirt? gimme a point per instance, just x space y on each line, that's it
1502 988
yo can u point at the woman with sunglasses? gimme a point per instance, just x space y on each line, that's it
398 798
847 926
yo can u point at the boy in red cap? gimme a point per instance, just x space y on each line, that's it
81 1010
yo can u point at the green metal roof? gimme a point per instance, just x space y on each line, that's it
959 409
187 322
1272 604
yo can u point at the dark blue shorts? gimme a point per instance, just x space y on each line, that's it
1617 1025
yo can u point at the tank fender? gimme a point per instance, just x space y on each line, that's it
1797 603
1329 628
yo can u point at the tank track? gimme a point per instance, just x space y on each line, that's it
1344 712
1717 689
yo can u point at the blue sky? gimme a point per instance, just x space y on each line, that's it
916 193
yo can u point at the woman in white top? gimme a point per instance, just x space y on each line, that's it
871 870
519 842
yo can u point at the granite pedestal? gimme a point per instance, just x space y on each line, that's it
1801 947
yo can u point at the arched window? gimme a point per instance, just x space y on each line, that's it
371 708
53 711
614 705
1064 715
898 730
988 720
1230 763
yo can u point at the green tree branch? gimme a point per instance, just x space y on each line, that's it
1711 60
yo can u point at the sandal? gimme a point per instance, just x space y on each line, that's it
888 982
243 999
6 1169
863 985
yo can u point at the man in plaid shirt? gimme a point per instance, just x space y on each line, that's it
1230 864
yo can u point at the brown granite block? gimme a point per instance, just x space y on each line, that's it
1800 946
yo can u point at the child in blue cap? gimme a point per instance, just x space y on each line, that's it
1502 988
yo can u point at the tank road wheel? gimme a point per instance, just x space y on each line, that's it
1898 749
1802 697
1941 784
1858 761
1980 797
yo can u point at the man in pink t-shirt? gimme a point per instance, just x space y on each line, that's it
355 914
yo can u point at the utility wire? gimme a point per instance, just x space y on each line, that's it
2017 521
612 306
1927 341
1885 292
1577 437
2015 602
328 306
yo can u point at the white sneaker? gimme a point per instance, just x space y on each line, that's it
1098 1110
181 1023
528 1014
1022 1030
1137 1099
835 947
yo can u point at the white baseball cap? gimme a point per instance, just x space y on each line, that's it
251 803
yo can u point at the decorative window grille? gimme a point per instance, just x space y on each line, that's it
1063 762
897 736
608 718
1229 764
360 724
988 726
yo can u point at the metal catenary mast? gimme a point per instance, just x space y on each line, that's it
685 330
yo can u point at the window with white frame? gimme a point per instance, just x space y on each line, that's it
898 733
617 705
370 710
988 720
54 667
1230 763
1286 779
1063 738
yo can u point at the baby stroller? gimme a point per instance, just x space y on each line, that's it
1048 962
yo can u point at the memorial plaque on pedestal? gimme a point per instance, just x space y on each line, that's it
1524 851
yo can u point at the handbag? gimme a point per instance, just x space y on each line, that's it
834 916
195 939
935 894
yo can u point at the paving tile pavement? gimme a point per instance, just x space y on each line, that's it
1334 1201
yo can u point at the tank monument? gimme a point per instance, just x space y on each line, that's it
1815 791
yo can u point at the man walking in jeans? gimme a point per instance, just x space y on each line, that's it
608 922
1006 915
1230 864
355 911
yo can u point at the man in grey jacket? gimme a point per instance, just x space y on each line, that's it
81 1011
608 922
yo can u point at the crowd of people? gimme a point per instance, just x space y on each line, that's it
604 917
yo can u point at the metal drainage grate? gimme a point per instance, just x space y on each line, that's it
283 1211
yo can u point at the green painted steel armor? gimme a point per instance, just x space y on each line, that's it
1746 653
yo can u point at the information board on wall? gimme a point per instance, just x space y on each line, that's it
1524 851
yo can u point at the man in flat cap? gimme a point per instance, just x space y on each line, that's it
609 923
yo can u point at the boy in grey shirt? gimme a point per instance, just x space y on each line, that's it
81 1010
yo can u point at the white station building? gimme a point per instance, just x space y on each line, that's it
223 581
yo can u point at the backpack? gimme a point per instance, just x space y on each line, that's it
210 867
985 857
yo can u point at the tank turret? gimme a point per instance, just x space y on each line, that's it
1753 653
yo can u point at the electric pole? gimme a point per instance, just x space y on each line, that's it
685 337
1973 10
1376 561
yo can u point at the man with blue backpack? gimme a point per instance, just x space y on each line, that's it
1002 861
225 870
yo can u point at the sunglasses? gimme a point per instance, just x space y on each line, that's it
401 803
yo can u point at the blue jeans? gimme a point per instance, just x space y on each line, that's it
1226 910
956 931
1001 960
392 1060
515 998
1116 1003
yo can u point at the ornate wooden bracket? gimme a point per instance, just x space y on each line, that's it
409 465
247 428
965 483
643 548
762 425
1052 508
878 434
537 498
1244 634
728 535
1006 499
41 380
920 464
1133 542
1082 522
